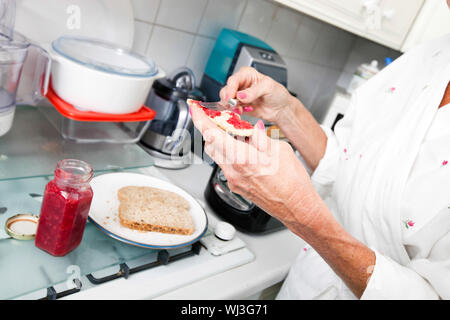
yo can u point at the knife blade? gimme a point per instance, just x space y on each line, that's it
232 103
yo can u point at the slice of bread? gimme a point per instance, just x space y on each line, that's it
153 209
227 120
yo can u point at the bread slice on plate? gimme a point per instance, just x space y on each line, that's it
153 209
227 120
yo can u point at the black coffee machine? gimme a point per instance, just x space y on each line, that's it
233 50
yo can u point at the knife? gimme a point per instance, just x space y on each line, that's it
232 103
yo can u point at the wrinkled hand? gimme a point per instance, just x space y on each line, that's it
267 172
266 96
263 170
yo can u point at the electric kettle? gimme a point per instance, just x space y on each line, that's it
169 134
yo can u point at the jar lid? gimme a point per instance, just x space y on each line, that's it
22 226
104 56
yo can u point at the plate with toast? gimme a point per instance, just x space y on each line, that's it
146 211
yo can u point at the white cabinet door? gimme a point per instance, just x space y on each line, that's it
433 21
345 14
396 19
352 8
384 21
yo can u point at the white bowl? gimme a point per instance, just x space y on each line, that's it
90 85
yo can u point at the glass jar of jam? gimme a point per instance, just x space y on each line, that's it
65 208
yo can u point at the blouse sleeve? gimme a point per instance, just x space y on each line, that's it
427 276
325 174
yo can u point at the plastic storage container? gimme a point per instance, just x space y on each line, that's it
91 127
65 208
100 76
24 69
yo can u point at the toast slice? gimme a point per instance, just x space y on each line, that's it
153 209
227 120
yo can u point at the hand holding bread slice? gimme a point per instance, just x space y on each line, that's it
227 120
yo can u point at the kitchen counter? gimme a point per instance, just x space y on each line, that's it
274 253
233 276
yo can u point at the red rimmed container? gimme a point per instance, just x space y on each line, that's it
92 127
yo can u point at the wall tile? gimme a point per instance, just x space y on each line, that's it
307 35
342 48
304 79
199 56
283 29
314 85
169 48
145 10
322 50
221 14
181 14
257 18
325 93
142 33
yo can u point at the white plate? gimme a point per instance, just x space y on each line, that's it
105 210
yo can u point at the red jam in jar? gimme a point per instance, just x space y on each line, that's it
65 208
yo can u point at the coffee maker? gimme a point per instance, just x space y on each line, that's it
233 50
168 137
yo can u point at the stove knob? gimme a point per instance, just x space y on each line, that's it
224 231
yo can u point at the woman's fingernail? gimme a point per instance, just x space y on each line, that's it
237 110
242 95
260 125
248 109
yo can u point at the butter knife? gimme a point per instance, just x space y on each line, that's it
232 103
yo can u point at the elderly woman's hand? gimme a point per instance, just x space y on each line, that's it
266 96
271 101
263 170
268 173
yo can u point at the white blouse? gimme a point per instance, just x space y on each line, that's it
385 176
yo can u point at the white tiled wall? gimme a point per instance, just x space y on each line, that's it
183 32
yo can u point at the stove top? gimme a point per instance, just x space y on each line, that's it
100 262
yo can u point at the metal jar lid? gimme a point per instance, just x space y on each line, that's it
22 226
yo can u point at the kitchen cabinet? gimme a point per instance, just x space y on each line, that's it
384 21
433 21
